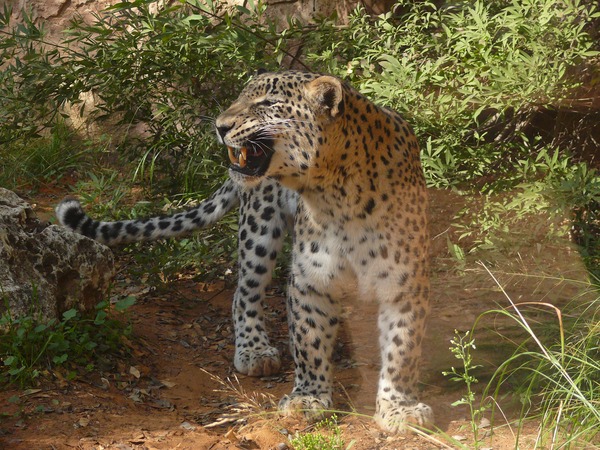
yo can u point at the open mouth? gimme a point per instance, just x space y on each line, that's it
253 158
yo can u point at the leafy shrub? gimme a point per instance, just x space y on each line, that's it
469 76
30 347
24 60
169 69
552 187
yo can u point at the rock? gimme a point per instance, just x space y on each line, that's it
46 270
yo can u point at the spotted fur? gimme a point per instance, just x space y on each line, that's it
360 226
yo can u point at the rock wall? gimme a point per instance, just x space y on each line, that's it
46 270
55 15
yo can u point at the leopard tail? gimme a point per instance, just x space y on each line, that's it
70 214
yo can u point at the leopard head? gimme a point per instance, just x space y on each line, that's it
278 125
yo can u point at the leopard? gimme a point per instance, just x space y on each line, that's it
360 227
352 173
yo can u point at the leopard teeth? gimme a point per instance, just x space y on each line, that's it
243 157
240 159
232 157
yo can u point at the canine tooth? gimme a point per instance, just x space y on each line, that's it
244 153
232 157
242 161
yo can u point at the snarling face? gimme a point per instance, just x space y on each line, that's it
273 128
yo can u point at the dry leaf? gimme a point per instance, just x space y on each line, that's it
83 422
134 371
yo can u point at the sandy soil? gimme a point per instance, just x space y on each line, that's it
180 380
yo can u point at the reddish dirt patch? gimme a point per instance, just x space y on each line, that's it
180 379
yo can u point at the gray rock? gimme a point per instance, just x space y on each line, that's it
46 270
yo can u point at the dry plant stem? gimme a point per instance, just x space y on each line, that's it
248 403
493 400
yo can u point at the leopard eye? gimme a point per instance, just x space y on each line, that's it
267 102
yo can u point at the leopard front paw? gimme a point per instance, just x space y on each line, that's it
257 362
313 408
395 418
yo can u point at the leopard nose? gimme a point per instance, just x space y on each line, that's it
222 130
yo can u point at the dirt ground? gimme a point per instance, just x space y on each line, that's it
179 389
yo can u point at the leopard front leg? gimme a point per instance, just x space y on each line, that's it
313 319
317 279
401 325
263 221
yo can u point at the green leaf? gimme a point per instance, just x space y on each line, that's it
69 314
125 303
100 317
58 360
194 18
41 327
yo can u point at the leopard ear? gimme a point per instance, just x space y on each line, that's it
327 95
260 71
